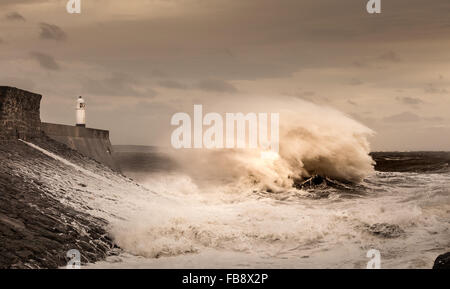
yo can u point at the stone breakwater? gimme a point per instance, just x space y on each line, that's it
37 229
90 142
20 119
44 169
19 114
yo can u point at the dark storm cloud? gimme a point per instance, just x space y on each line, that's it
310 96
406 116
390 56
355 81
367 120
216 85
45 61
352 102
15 16
20 82
308 93
267 40
172 84
432 89
360 64
18 2
52 32
300 94
257 45
434 119
119 84
158 73
410 100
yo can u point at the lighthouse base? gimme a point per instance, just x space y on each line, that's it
82 125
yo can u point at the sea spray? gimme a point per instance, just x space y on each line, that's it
219 206
313 140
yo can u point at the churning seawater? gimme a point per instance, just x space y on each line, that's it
199 223
234 209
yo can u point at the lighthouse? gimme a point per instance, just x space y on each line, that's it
81 112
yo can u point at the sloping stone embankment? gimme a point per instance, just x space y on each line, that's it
36 230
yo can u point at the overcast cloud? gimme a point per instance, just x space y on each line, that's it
391 70
14 16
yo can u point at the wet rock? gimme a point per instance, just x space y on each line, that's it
318 181
442 261
384 230
313 181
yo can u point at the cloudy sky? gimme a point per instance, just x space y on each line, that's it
139 61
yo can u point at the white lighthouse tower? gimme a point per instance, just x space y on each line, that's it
81 112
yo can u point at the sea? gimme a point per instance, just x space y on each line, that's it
207 211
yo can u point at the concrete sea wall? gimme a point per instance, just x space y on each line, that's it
20 118
93 143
